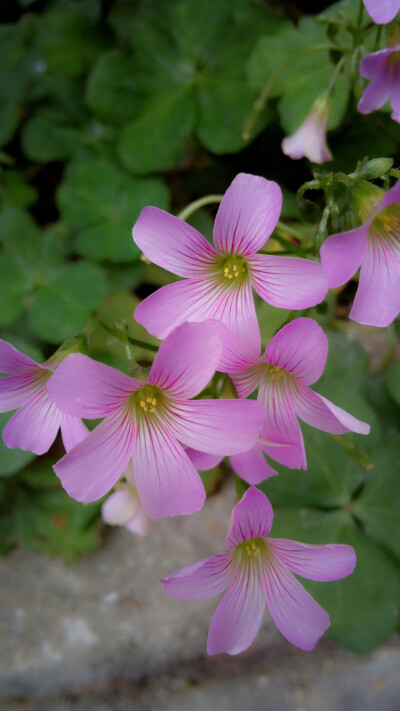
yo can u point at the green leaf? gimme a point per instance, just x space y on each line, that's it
49 136
13 291
15 191
330 479
111 91
102 202
63 304
393 381
364 607
378 505
11 460
155 141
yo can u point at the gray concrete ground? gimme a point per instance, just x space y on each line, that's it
101 636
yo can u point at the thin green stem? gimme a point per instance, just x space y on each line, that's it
125 338
289 229
378 37
260 103
391 346
197 204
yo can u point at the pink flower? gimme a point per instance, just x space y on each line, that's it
219 281
150 421
383 68
309 140
123 507
382 11
294 359
34 427
258 571
376 247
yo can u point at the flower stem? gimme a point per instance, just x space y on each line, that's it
123 336
197 204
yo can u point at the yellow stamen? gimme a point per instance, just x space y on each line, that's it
276 372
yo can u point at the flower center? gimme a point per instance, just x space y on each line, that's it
147 400
276 372
386 224
251 550
234 267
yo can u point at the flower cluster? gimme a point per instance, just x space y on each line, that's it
159 429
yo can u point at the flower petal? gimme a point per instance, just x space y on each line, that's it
186 360
73 431
238 616
281 426
16 390
200 581
247 215
330 562
236 354
248 380
217 426
187 300
172 243
251 518
89 470
382 11
300 348
202 460
377 301
86 388
342 254
296 614
322 414
120 506
288 282
34 427
252 466
13 362
167 482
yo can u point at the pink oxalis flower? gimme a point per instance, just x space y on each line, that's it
124 508
382 11
25 388
150 421
383 68
309 141
219 280
294 359
375 246
258 571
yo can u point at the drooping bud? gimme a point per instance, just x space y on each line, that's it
309 140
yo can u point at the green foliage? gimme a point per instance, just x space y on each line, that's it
349 499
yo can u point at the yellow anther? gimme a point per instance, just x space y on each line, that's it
275 372
154 401
233 266
142 403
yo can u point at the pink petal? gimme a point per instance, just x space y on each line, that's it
329 562
322 414
342 254
382 11
186 360
221 427
202 460
236 354
200 581
248 380
172 243
120 506
392 196
376 94
281 425
34 427
238 616
236 310
139 523
377 301
91 469
252 466
168 307
17 390
13 362
251 518
167 482
86 388
288 282
73 431
300 348
296 614
247 215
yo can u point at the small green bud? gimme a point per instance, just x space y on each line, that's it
374 168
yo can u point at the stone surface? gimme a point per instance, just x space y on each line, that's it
101 636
